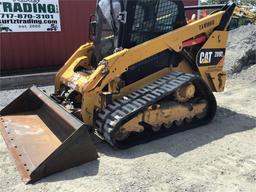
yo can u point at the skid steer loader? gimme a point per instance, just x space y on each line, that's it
149 72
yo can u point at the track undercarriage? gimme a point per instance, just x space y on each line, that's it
157 110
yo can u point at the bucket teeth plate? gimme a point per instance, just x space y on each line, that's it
42 137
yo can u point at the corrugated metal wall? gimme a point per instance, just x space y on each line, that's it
36 50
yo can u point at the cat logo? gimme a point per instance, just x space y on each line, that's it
205 57
208 57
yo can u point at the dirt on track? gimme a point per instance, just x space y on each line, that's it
218 157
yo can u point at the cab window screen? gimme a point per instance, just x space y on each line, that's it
152 18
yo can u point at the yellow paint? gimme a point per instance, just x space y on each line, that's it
91 85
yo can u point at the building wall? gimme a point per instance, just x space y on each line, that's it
20 51
189 3
34 50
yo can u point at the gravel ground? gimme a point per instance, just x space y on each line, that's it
241 51
218 157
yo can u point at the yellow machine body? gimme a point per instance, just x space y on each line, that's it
112 67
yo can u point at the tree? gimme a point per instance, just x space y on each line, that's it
243 2
246 2
211 2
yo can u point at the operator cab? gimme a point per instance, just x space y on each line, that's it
126 23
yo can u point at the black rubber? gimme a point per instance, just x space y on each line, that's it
111 119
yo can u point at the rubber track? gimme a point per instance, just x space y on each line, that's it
115 115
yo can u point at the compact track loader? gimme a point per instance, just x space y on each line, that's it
149 72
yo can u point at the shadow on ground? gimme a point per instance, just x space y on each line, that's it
225 123
85 170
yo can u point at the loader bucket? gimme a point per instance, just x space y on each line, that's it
42 137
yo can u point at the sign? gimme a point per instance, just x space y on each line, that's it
29 16
207 57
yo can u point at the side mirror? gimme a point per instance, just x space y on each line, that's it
92 27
